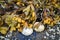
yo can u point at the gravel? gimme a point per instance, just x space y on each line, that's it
49 34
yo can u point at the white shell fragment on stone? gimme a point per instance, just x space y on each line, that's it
27 31
40 27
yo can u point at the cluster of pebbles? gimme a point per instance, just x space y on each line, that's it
50 33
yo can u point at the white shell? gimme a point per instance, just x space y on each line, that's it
40 28
27 31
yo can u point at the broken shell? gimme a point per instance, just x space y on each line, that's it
27 31
39 27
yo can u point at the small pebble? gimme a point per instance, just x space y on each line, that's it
2 37
44 36
47 33
28 39
52 30
58 29
53 37
6 39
